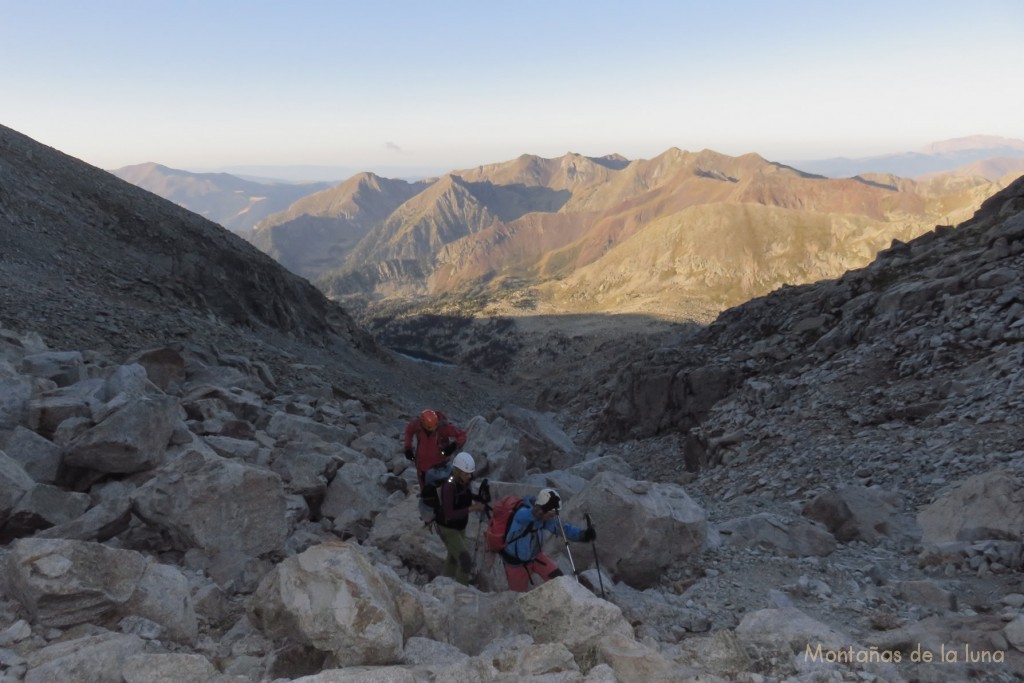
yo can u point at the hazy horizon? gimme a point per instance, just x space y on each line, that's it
303 173
457 84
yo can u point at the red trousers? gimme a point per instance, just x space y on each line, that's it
519 575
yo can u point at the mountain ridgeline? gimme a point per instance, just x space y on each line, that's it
320 230
233 202
585 234
963 154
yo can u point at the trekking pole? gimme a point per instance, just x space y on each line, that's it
485 498
569 552
484 514
593 544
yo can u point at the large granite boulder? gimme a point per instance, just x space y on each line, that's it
633 519
333 598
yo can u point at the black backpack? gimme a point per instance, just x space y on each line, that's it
430 497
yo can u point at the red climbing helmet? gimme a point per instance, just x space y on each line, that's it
428 420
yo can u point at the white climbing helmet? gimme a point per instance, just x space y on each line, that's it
548 499
464 461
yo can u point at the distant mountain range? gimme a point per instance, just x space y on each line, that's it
319 173
608 234
683 231
235 203
960 154
240 197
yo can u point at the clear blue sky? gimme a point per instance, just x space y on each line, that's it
451 84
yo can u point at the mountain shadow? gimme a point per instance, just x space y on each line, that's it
510 202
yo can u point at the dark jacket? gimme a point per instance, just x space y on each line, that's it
456 498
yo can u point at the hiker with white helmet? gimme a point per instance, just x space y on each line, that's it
523 554
457 501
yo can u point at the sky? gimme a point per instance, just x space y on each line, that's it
385 84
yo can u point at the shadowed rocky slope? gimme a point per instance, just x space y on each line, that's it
73 233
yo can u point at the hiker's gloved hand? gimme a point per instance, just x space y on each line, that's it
446 451
409 455
588 535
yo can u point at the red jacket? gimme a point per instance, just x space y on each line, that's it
428 446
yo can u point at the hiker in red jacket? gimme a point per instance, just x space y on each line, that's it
436 440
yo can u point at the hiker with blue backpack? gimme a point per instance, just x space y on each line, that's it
457 501
523 552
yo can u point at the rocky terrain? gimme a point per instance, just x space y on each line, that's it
200 475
